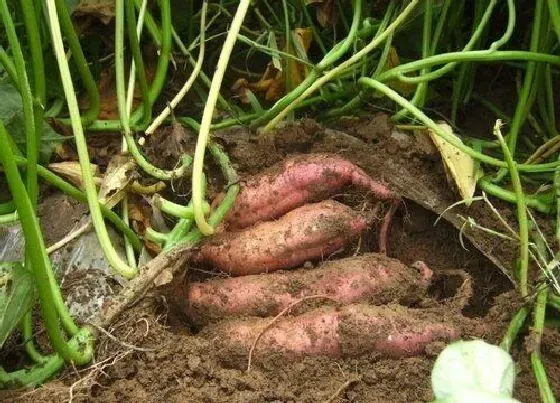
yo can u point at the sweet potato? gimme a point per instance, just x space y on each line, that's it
372 277
310 232
353 330
294 182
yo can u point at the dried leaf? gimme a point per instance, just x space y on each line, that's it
299 71
325 13
72 171
459 166
104 10
140 216
117 177
271 84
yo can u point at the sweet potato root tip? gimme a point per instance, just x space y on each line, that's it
310 232
296 181
350 331
372 277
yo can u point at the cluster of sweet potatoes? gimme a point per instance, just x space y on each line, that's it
282 219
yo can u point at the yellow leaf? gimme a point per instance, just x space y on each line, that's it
459 166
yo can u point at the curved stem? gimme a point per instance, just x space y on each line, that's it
8 65
514 327
418 114
80 62
49 293
77 194
32 143
204 132
27 332
39 86
451 65
116 262
526 98
543 205
134 31
356 57
471 56
538 367
521 213
186 87
163 59
419 97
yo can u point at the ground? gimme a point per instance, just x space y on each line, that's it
153 355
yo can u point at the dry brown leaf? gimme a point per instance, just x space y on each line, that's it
72 171
325 13
299 71
104 10
140 216
117 177
460 167
271 84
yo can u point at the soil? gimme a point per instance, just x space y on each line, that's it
154 355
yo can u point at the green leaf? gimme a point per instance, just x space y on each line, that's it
16 299
11 113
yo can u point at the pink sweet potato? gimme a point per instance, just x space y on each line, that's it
296 181
310 232
353 330
372 277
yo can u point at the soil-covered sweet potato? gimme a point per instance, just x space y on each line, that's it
294 182
373 277
310 232
351 331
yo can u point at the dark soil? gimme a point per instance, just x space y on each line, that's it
158 357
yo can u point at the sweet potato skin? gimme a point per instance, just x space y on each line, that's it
374 278
351 331
310 232
295 182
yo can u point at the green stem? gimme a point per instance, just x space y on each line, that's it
7 207
39 87
48 291
546 393
557 199
77 194
102 234
9 66
80 62
138 61
163 59
450 66
418 114
31 377
207 114
554 10
177 210
32 143
525 98
514 327
471 56
521 213
419 96
328 60
542 204
27 332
